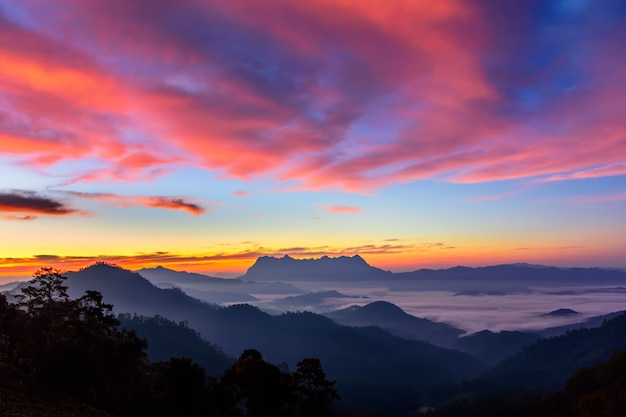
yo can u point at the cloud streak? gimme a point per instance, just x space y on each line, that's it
162 202
28 205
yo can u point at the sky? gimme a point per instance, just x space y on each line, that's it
199 135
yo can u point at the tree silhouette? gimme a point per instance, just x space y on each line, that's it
179 388
46 304
313 392
256 385
11 330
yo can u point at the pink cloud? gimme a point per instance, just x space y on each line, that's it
163 202
329 95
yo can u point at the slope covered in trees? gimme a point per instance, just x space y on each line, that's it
53 346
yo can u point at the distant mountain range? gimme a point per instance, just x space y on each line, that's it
355 268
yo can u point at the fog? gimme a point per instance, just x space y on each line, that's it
514 309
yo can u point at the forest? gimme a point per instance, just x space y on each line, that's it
67 357
65 354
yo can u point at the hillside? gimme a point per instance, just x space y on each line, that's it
393 319
548 363
363 361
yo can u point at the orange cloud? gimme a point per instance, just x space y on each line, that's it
342 209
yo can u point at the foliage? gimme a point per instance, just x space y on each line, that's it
76 349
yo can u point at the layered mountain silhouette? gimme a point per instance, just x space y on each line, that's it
161 276
368 363
396 321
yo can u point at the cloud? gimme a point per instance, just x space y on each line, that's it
495 197
342 209
174 204
163 202
327 95
236 259
605 198
550 248
31 205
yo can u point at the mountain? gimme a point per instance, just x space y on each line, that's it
548 362
393 319
129 292
372 367
561 312
161 274
520 273
190 281
588 323
288 269
493 348
308 300
168 339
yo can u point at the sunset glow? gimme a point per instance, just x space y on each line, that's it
199 135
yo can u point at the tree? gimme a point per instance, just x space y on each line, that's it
313 392
11 330
47 308
257 385
45 292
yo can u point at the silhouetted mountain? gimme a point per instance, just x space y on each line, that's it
288 269
161 274
588 323
549 362
492 347
521 273
129 292
561 312
167 339
186 280
308 300
393 319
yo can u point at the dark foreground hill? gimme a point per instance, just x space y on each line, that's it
549 362
599 391
373 369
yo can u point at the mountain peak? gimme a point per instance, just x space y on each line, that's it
325 268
